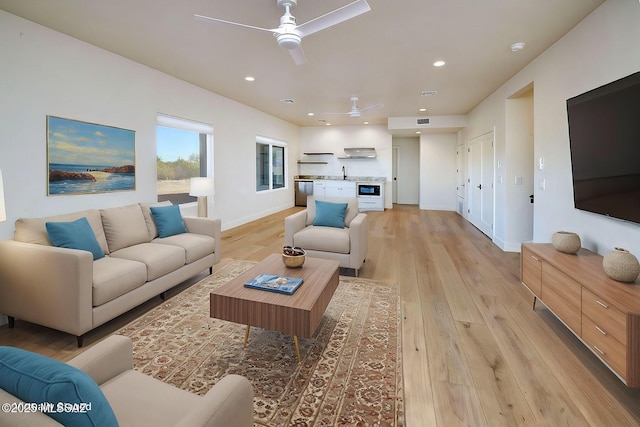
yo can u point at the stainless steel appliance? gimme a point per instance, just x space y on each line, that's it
304 188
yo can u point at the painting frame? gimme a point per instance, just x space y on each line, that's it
89 158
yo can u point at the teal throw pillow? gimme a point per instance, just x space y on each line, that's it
168 220
68 395
77 234
330 214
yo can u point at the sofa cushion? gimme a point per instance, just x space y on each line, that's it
74 235
159 259
350 214
124 226
168 220
33 230
329 214
196 246
113 277
34 378
148 219
325 239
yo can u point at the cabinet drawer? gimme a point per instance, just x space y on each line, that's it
606 346
563 296
531 272
607 318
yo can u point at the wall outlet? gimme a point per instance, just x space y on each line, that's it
541 163
518 180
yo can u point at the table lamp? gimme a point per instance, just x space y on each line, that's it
201 187
3 212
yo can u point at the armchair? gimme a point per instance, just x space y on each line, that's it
347 245
139 400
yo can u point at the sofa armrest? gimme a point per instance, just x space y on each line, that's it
292 224
106 359
359 236
229 403
47 285
208 227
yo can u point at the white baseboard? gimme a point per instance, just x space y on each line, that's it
241 221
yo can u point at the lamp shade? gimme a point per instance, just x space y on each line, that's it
201 186
3 212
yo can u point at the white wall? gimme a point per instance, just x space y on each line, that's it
602 48
334 139
408 172
438 171
44 73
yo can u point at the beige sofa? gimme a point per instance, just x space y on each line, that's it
347 245
139 400
65 289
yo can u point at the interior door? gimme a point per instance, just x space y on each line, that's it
480 183
394 173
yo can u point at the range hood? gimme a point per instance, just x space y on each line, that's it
359 153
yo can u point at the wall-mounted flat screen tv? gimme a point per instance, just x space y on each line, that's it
604 136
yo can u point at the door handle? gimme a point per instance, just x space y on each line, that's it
479 186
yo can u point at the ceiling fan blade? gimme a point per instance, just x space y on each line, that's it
371 107
330 19
298 55
208 18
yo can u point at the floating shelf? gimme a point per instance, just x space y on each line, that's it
300 162
318 154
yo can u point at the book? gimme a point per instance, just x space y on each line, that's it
272 283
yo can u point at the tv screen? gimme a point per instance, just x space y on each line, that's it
604 136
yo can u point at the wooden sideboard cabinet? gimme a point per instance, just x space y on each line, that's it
602 313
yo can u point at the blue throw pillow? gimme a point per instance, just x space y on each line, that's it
330 214
71 397
168 220
77 234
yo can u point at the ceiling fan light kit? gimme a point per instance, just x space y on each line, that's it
289 35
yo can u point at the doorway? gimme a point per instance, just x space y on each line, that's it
406 170
480 189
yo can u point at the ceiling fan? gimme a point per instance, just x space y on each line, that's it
289 35
357 112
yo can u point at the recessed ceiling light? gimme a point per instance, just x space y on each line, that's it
438 63
418 132
287 100
422 109
366 123
327 124
250 78
517 47
310 114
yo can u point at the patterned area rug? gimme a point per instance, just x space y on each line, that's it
351 370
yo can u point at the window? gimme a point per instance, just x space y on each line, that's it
182 149
271 158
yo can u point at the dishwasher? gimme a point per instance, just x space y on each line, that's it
304 188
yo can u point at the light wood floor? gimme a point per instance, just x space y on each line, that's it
475 353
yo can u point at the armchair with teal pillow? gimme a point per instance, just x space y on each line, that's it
330 228
104 376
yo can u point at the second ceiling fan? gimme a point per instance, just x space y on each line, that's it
289 35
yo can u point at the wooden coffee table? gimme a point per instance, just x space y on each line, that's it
298 314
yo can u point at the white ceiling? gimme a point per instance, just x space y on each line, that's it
383 56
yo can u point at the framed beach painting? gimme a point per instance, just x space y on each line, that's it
87 158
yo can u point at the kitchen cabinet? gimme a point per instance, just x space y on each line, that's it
319 189
340 189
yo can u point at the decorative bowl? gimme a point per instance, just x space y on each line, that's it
293 257
566 241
